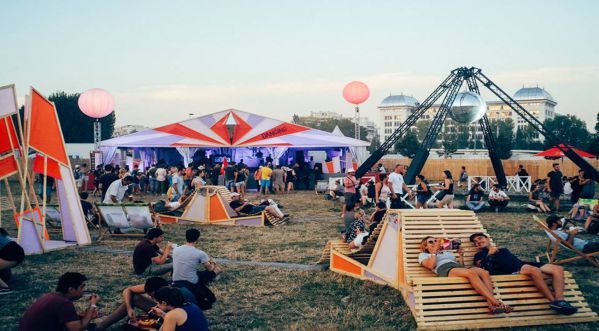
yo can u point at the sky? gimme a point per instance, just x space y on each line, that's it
164 60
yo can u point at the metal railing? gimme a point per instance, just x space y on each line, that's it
514 183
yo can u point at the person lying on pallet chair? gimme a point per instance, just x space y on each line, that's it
556 223
244 207
444 264
500 261
163 205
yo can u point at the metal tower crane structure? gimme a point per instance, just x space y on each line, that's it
450 87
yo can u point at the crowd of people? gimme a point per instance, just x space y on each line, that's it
179 301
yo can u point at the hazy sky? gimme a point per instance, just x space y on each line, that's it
165 59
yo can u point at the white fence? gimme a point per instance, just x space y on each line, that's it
514 183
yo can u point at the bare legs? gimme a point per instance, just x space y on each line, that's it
480 281
5 264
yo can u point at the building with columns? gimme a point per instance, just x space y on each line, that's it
395 109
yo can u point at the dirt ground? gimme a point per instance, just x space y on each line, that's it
257 297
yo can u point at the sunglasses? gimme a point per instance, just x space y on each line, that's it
432 241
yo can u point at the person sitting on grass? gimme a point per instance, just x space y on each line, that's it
500 261
534 198
244 207
497 198
11 255
474 200
133 297
186 259
358 223
336 190
444 264
148 259
55 310
555 223
177 313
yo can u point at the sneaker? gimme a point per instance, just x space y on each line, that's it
563 307
5 290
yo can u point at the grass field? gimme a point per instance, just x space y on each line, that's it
252 297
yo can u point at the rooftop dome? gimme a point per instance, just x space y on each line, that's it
399 101
533 93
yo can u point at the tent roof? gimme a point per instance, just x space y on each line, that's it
232 128
337 131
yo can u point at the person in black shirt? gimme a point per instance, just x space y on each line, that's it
89 211
245 207
379 212
474 200
555 186
107 178
500 261
148 260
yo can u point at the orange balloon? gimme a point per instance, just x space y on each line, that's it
356 92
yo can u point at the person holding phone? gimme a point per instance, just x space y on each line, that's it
444 264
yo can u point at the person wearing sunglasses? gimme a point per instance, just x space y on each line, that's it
444 264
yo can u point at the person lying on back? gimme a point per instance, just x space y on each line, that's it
141 296
556 223
244 207
500 261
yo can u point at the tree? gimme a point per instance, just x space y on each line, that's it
408 145
568 129
524 137
449 142
503 132
462 135
593 146
375 143
421 128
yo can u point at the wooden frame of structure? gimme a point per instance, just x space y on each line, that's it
449 303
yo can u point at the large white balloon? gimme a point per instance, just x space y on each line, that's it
468 107
96 103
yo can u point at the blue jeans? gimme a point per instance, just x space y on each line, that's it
153 185
475 205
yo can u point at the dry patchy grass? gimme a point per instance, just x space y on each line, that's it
273 298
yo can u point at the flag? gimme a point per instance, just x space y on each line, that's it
8 100
44 131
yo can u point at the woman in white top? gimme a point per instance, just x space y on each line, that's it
382 191
444 264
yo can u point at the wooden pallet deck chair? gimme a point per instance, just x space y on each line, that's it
340 247
172 216
451 303
554 244
130 216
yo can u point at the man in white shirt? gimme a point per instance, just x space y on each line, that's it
161 180
186 259
116 191
398 186
497 198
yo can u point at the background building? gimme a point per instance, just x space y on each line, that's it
395 109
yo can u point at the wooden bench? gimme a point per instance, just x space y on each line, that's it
450 303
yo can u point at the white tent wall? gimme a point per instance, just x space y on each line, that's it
74 226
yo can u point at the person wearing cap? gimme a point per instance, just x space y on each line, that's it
349 184
500 261
245 207
148 259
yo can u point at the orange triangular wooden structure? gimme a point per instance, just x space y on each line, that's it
44 131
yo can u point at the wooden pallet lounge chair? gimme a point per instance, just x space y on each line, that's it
554 244
451 303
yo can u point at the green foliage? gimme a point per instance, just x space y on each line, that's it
449 141
593 145
375 143
568 129
76 126
462 135
503 132
408 145
422 128
524 138
328 124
